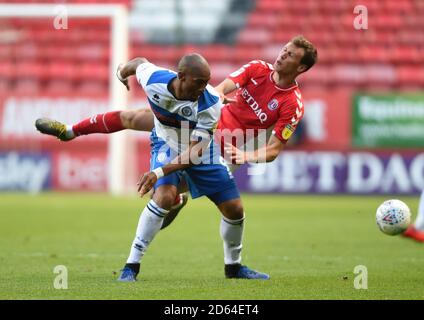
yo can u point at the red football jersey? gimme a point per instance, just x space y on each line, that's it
261 104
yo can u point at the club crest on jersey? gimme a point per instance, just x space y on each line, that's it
287 132
273 104
186 111
156 97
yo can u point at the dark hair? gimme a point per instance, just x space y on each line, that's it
311 55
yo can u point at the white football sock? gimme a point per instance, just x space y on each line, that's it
151 220
419 221
69 132
232 234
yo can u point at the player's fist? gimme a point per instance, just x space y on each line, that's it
119 76
236 155
225 99
146 183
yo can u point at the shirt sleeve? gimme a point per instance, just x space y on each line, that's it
143 73
290 116
242 75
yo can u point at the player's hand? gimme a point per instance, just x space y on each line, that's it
225 99
118 75
235 154
146 183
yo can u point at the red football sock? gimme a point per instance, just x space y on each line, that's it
102 123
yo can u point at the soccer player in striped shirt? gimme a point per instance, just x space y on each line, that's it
186 110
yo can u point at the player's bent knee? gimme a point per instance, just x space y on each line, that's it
232 209
127 117
164 197
142 120
165 201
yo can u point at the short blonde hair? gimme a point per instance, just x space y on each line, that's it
310 56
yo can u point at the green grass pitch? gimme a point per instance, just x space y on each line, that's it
309 245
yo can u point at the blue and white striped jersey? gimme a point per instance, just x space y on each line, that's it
171 114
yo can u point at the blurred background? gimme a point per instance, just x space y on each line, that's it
363 131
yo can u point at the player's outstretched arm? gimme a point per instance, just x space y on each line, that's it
267 153
128 69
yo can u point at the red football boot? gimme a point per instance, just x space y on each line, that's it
414 233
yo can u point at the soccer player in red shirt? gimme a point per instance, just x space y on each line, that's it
416 230
268 97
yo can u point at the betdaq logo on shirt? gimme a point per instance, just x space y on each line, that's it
25 172
262 116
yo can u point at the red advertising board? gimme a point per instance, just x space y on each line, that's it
80 171
88 170
327 119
